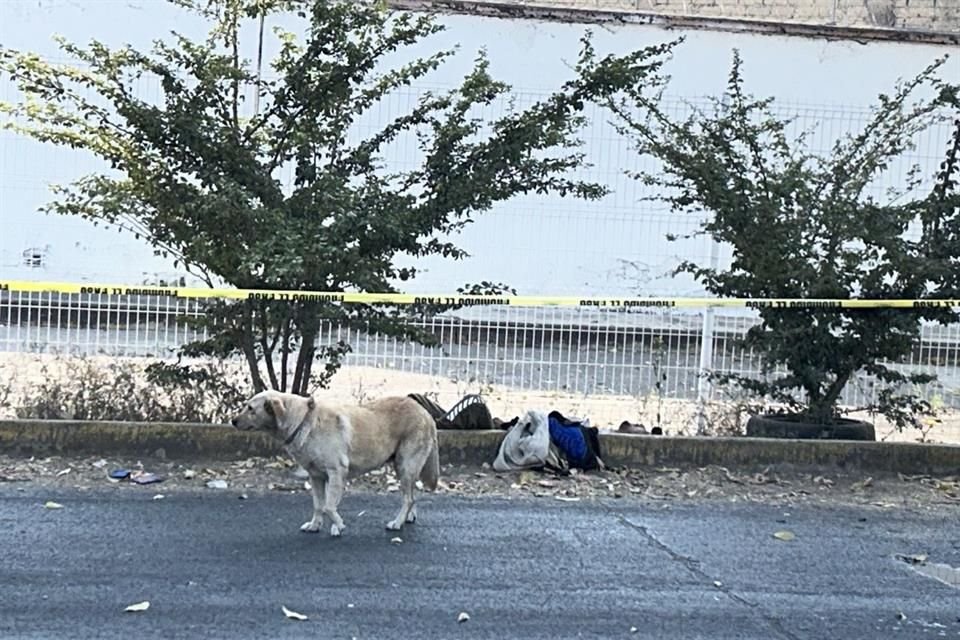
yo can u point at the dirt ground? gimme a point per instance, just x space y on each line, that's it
654 485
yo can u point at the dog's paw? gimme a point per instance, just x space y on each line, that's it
336 530
394 525
412 516
311 526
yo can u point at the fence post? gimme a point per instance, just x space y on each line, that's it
704 388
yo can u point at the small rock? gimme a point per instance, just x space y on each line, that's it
216 484
189 474
396 540
50 504
463 617
159 496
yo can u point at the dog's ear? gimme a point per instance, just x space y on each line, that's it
274 407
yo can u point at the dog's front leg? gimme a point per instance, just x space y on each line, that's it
336 481
318 490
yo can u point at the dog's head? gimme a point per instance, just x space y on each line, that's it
273 411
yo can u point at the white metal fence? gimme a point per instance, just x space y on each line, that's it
574 351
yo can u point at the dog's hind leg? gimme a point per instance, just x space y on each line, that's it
318 489
407 507
408 465
336 483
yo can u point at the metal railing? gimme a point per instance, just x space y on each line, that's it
573 355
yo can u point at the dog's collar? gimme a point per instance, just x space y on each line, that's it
296 432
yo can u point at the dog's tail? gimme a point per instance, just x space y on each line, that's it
430 474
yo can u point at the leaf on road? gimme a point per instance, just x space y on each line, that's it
140 606
50 504
64 472
730 477
863 484
919 558
293 615
946 485
906 478
396 540
785 536
463 617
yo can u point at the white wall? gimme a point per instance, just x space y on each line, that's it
539 245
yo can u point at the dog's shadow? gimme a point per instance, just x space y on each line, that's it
364 528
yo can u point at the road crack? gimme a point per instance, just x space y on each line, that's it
693 567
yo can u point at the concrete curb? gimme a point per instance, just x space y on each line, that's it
218 442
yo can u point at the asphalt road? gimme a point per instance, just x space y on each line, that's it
214 566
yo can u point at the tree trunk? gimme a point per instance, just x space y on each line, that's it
249 350
822 409
308 350
306 321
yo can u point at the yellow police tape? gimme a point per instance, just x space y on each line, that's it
28 286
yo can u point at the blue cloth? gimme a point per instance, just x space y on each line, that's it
569 439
